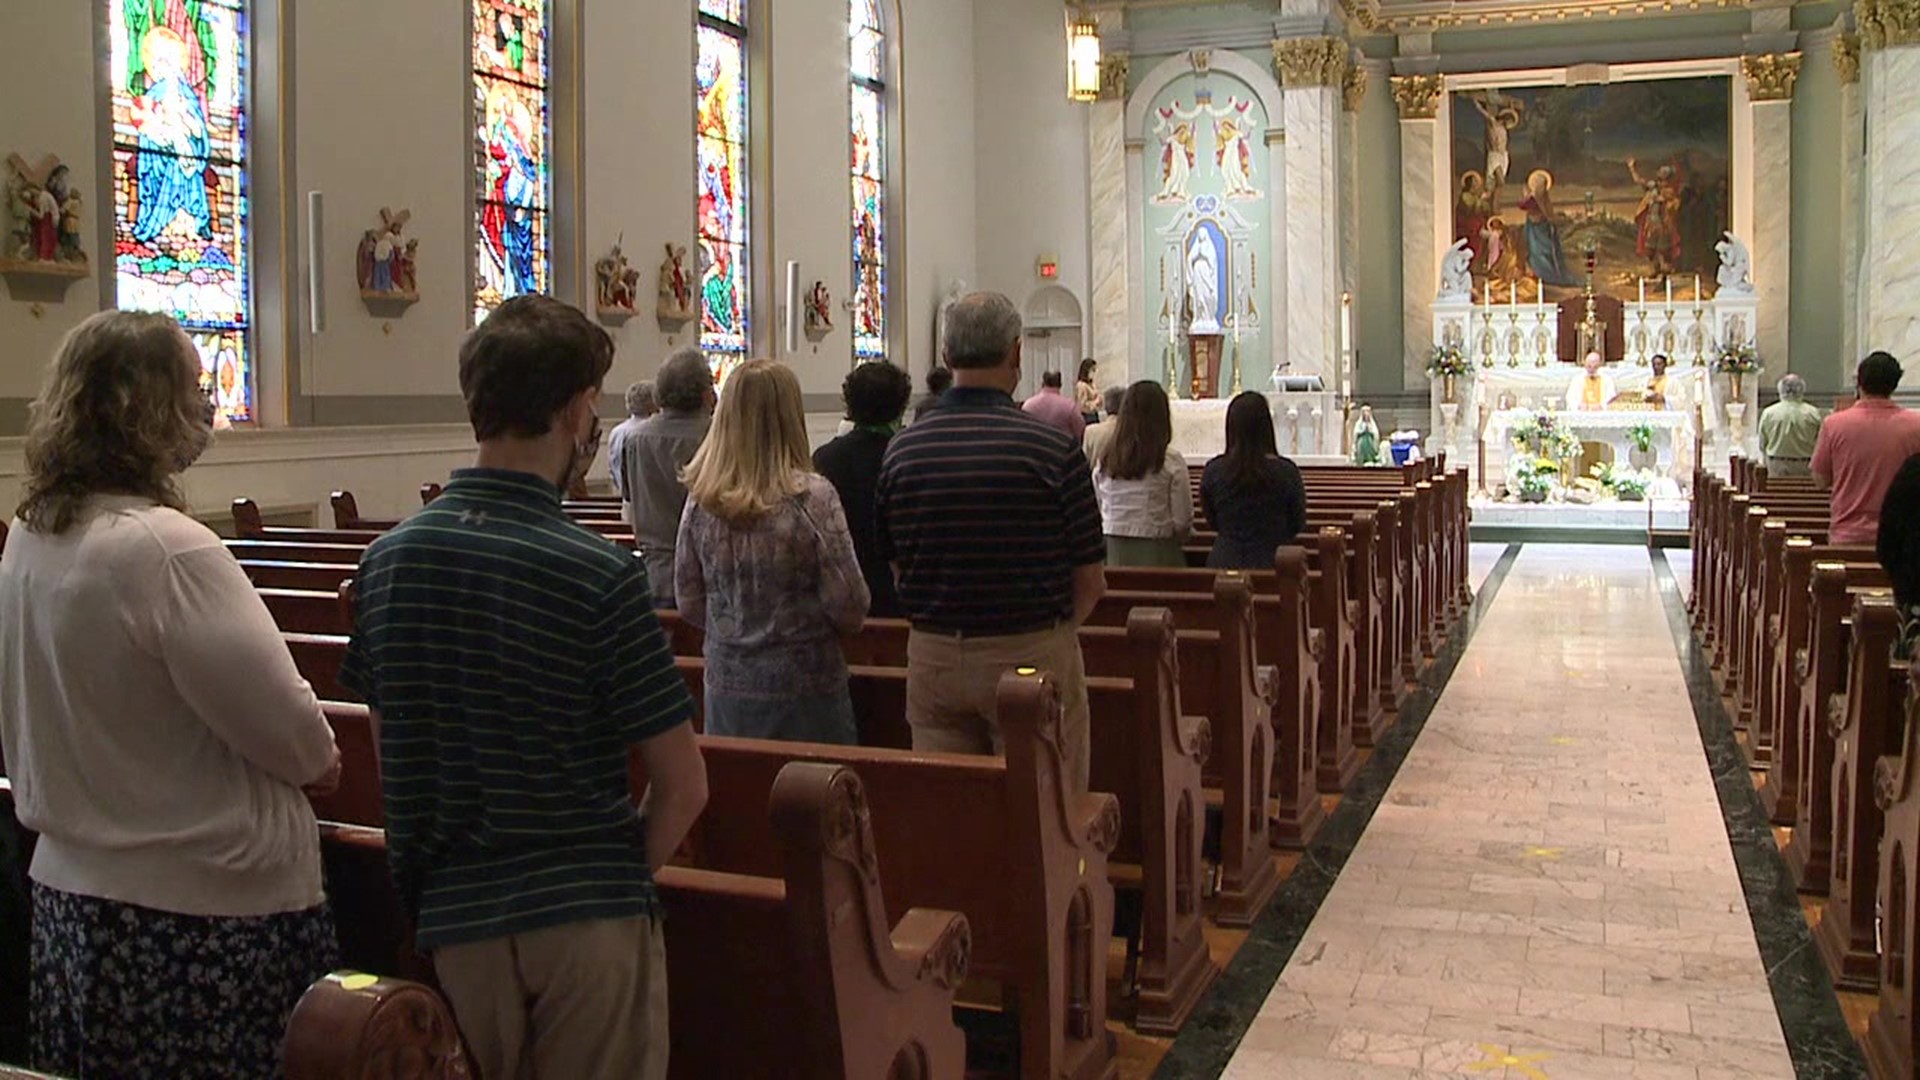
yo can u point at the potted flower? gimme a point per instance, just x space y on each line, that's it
1640 452
1532 486
1736 361
1448 363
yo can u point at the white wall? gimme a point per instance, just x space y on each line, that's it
938 128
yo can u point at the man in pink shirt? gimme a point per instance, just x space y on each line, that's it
1056 408
1862 447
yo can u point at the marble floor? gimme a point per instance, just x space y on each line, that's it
1547 891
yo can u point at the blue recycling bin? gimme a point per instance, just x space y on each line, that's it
1402 451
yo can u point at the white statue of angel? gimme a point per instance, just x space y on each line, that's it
1456 273
1736 267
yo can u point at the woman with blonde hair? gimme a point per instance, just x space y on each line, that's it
157 734
765 565
1146 499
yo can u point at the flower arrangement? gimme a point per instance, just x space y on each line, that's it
1448 360
1542 435
1532 478
1627 485
1641 436
1737 359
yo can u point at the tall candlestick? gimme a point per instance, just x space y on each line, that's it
1696 289
1669 292
1489 294
1513 293
1643 292
1346 323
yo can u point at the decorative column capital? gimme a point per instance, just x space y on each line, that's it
1886 24
1418 96
1113 77
1353 87
1315 61
1846 57
1770 76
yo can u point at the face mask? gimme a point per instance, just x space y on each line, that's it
580 458
202 438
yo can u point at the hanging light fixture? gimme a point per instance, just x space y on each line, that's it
1083 57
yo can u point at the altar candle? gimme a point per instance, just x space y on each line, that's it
1513 293
1669 292
1643 292
1696 290
1346 323
1489 294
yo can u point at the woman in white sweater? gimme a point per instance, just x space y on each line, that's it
1146 499
156 734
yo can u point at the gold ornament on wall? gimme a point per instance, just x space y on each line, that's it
1887 23
1353 88
1770 76
1418 96
1113 77
1304 62
1846 57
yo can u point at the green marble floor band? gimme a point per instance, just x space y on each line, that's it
1205 1045
1818 1040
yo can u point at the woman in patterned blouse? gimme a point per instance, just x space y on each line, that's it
765 565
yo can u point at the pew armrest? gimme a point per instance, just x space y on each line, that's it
1837 714
1802 663
349 1024
1196 738
936 945
1096 816
1316 642
1266 684
1886 782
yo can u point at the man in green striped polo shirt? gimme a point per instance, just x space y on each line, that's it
510 658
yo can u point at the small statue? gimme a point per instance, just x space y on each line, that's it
819 310
1366 438
617 283
384 262
1736 267
1456 273
69 196
676 288
44 205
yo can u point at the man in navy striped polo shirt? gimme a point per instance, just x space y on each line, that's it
510 658
988 516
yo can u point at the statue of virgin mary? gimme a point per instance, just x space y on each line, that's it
1203 285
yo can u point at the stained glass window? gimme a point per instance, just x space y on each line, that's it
720 78
868 66
513 183
180 236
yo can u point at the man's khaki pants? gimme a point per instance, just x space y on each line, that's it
582 1001
1787 466
951 683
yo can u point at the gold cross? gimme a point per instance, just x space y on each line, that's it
1497 1058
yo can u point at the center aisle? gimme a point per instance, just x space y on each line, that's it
1547 891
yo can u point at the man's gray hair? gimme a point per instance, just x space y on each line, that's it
640 398
683 381
982 328
1112 398
1793 388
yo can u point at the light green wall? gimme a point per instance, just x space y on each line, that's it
1377 326
1818 264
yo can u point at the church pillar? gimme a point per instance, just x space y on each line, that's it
1418 99
1770 79
1353 90
1312 72
1890 63
1110 288
1846 60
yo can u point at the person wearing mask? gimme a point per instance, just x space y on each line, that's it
1790 430
939 381
1086 392
989 518
511 659
655 454
1254 498
157 735
876 394
1145 495
1100 434
1053 407
765 565
1861 448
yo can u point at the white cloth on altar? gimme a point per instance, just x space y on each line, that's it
1305 425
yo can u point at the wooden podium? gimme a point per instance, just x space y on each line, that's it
1204 352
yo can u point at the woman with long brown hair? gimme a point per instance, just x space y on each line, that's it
157 734
765 564
1146 500
1254 498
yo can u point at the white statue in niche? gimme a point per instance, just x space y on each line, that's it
1456 273
1203 289
1736 267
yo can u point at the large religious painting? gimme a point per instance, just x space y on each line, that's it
514 184
179 71
720 102
1638 172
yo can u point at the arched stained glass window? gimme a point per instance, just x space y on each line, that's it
720 115
513 183
868 45
181 227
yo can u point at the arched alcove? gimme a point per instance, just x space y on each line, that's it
1053 329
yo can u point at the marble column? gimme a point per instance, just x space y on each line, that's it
1846 60
1770 81
1109 289
1890 63
1312 71
1353 90
1418 99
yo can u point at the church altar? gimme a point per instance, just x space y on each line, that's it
1306 426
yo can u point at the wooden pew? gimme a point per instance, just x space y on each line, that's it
296 552
346 515
428 493
354 1025
310 577
1004 840
1893 1030
304 612
1865 726
248 525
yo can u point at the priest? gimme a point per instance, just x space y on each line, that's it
1592 389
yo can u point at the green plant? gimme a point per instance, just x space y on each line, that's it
1641 436
1447 360
1533 483
1626 484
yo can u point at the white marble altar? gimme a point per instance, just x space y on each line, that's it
1306 427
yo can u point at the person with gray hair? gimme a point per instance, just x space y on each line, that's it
640 405
652 457
1789 430
988 516
1098 435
